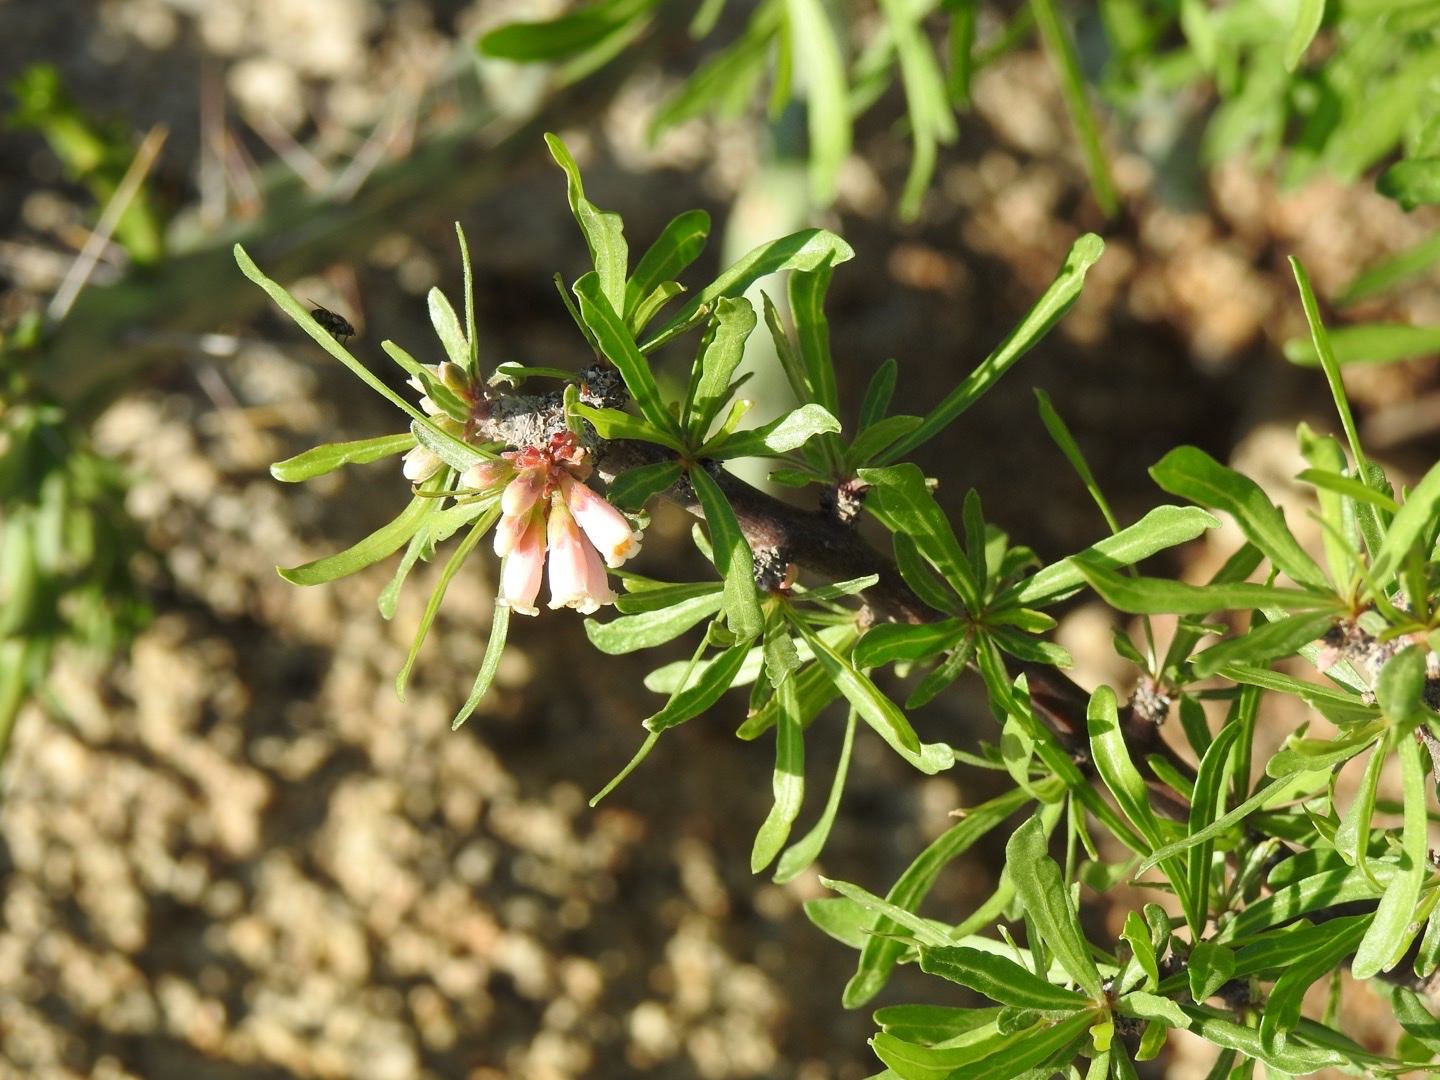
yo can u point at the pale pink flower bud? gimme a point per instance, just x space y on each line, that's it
420 464
520 573
577 577
487 474
520 494
607 528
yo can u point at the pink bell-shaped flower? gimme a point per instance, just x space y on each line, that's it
577 576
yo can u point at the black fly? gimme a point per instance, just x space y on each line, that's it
337 325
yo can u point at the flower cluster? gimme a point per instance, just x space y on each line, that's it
547 506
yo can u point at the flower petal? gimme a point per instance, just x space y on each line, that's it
577 577
608 529
520 573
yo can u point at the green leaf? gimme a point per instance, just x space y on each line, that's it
877 394
570 35
384 541
1207 803
1161 528
1193 474
1005 1057
1077 102
677 246
1137 935
1269 641
454 452
1152 1007
1158 596
822 68
1378 279
732 556
614 424
1060 434
716 362
803 250
1369 343
872 441
1308 16
788 784
875 708
882 952
604 235
997 978
494 649
812 333
432 606
1048 310
932 1023
631 633
319 460
448 329
1282 1007
1411 183
798 857
690 702
1400 687
1112 761
619 348
841 918
633 489
1048 903
1211 966
1393 929
779 436
901 499
1414 522
1295 1059
1320 336
887 642
1271 794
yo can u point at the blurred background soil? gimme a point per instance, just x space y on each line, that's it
235 854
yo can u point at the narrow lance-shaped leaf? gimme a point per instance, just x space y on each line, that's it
1048 903
677 246
494 649
619 348
796 859
732 556
998 978
604 231
716 364
803 250
1189 472
448 329
1413 524
1161 528
691 701
881 952
1048 310
788 785
1157 596
630 633
779 436
1323 350
902 500
384 541
1392 930
320 460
